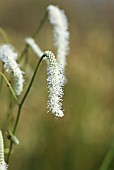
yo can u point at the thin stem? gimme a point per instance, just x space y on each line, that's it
26 60
10 108
108 158
25 51
14 130
21 104
3 33
1 80
26 48
40 26
9 85
35 71
28 89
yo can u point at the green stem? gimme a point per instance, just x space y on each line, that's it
9 85
40 26
21 104
3 33
108 158
10 108
26 48
35 71
1 81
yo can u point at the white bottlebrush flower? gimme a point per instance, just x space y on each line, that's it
8 57
3 165
36 49
59 22
55 79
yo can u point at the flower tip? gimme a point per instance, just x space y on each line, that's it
51 7
60 114
3 166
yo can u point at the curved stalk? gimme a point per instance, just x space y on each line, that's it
3 33
108 158
10 87
1 80
26 48
21 104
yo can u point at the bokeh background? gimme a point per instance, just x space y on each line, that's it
80 140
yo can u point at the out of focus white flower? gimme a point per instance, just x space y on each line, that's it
8 57
7 49
55 79
36 49
3 165
59 22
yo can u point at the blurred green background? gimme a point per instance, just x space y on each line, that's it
81 139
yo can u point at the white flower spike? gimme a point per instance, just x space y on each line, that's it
36 49
59 22
3 165
55 80
8 57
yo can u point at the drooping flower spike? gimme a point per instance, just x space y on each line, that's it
59 22
3 165
8 57
36 49
56 81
